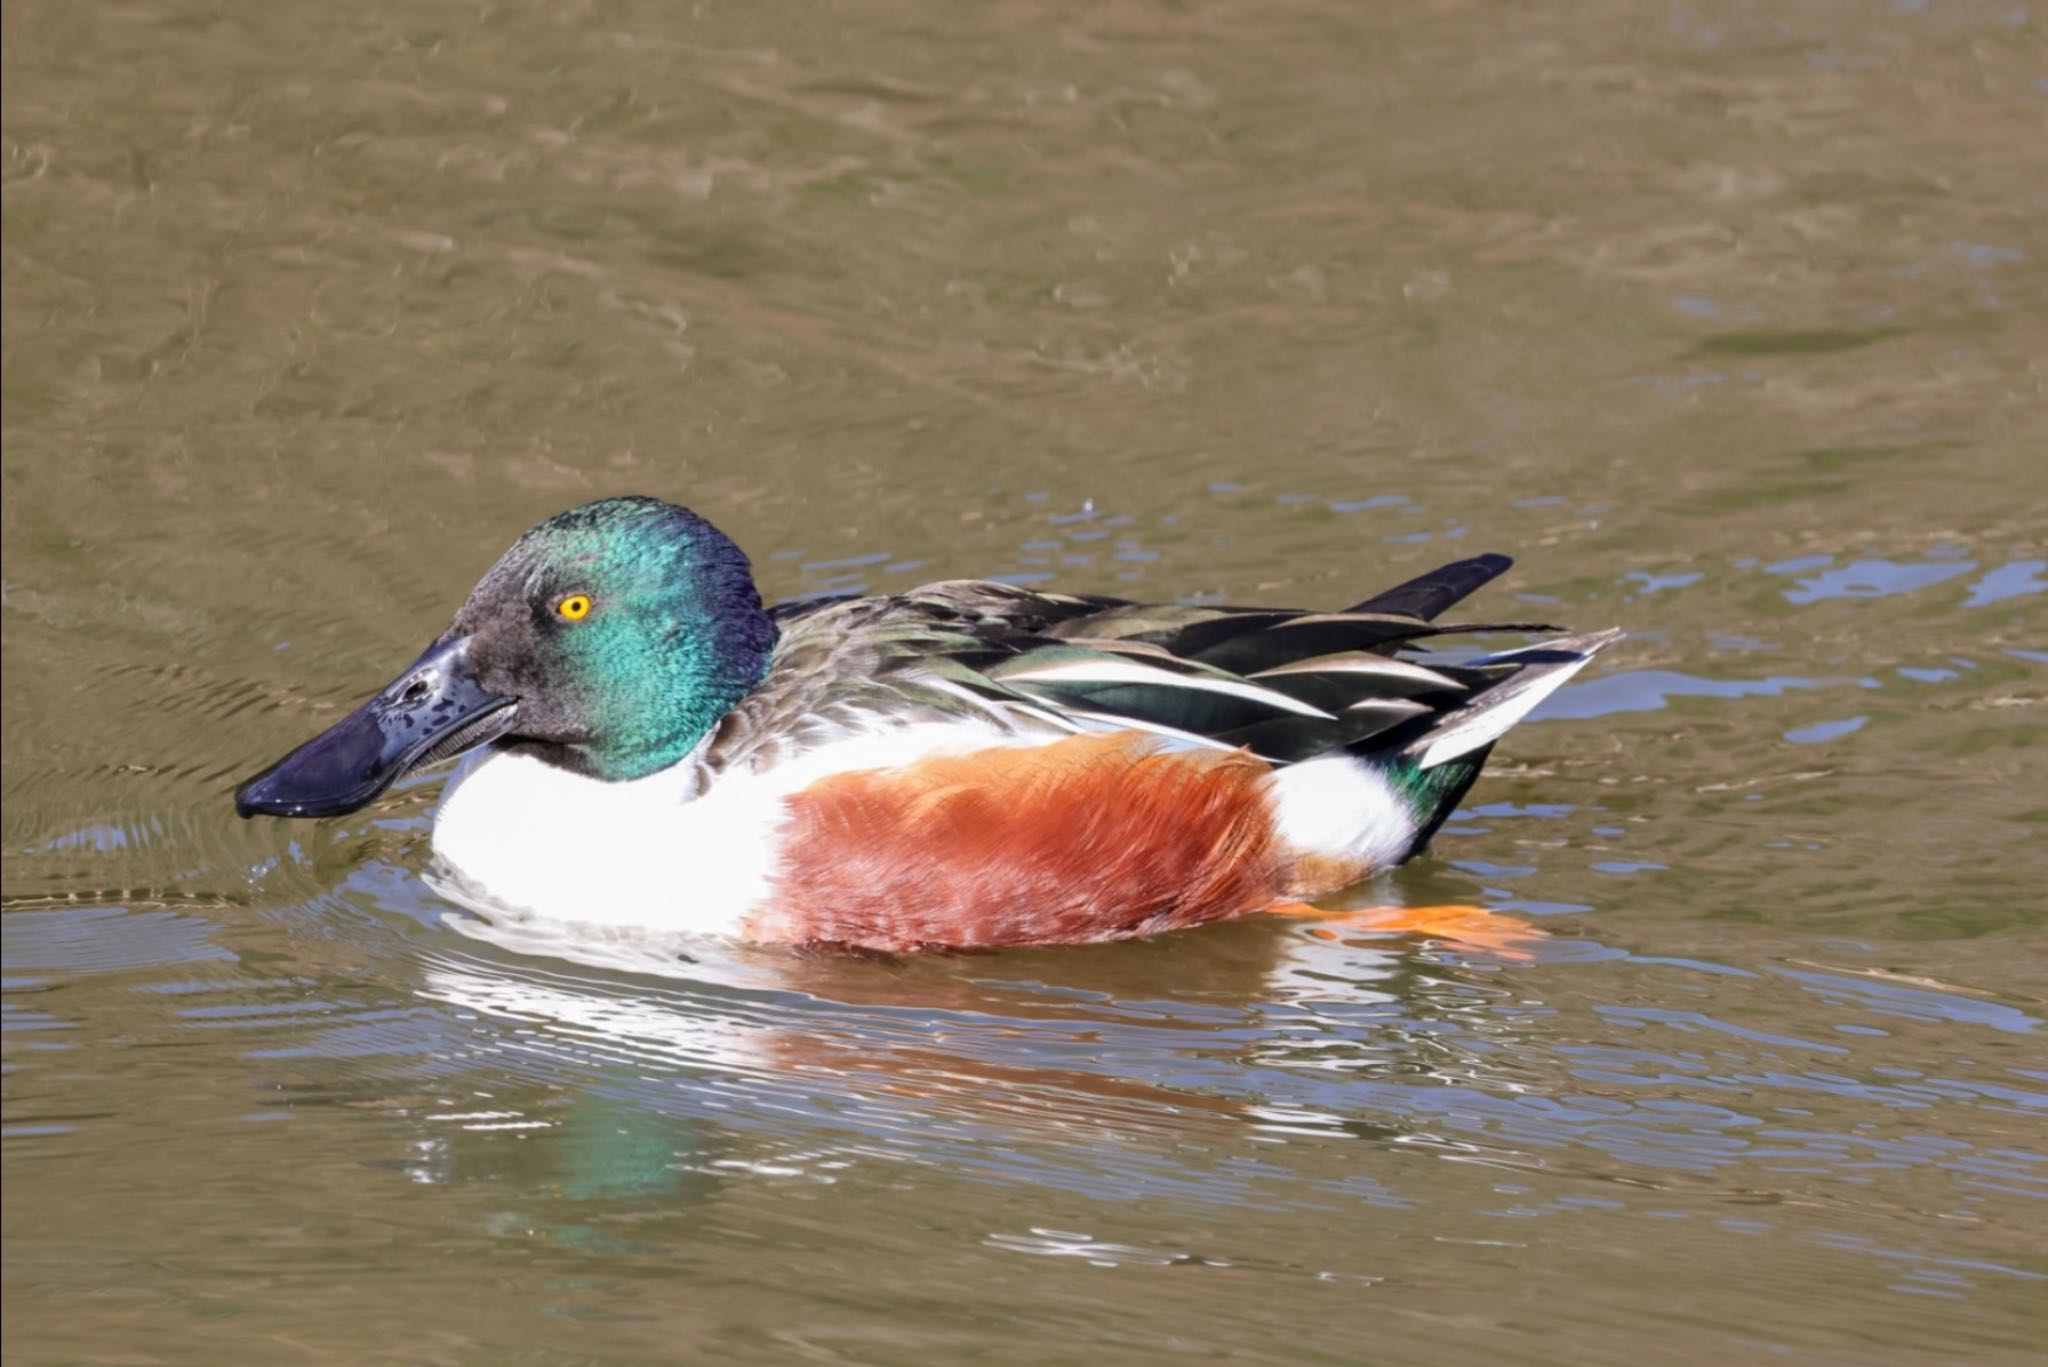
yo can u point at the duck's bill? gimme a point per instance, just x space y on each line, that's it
435 710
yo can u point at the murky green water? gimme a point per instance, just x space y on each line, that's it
1729 320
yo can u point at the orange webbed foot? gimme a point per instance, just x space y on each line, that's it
1496 932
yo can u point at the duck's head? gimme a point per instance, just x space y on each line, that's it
609 640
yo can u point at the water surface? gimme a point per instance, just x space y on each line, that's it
1728 320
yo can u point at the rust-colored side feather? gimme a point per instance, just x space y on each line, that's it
1093 838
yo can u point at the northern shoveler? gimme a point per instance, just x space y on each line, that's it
967 764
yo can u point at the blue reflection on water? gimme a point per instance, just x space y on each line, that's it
2016 580
1825 731
1647 690
1868 578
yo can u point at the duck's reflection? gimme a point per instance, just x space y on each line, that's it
1125 1057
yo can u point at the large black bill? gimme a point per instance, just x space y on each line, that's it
434 711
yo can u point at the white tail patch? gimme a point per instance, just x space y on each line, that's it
1487 718
1336 807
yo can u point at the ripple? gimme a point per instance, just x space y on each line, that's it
107 940
1912 1002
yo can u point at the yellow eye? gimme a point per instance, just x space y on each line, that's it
575 607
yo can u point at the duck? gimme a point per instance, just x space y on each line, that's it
646 746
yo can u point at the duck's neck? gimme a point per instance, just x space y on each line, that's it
716 676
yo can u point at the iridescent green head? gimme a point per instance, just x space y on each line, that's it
625 629
610 639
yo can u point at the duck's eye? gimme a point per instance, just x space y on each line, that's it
574 608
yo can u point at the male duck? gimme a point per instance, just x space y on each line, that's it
966 764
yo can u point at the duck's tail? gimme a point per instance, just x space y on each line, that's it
1378 801
1432 771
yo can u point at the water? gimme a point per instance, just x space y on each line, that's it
1728 320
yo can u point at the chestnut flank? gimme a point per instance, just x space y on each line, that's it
1093 838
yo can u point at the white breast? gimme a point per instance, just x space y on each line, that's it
638 854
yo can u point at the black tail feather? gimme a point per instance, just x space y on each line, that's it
1426 595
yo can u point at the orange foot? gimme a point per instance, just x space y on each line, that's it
1501 934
